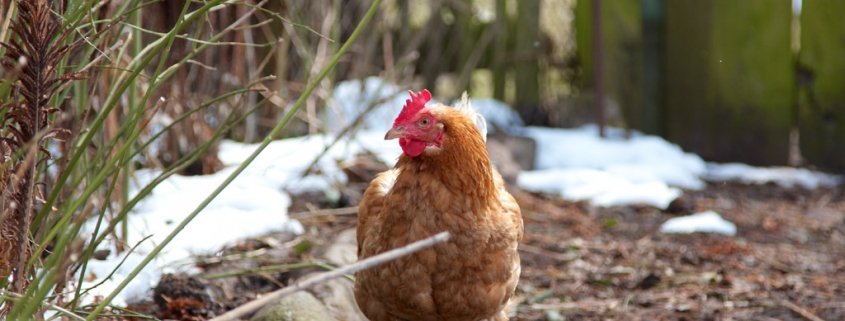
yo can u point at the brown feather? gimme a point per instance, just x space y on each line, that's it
455 189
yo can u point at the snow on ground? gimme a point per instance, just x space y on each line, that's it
600 187
580 165
615 171
704 222
784 176
234 213
255 203
576 164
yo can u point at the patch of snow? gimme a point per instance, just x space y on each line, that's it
578 164
251 205
784 176
283 162
254 203
642 157
704 222
353 97
614 171
387 151
602 188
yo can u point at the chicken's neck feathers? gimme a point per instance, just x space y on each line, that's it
465 107
462 165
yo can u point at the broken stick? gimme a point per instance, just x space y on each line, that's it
254 305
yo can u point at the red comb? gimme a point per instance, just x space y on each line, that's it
413 105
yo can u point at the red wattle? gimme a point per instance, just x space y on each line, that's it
412 147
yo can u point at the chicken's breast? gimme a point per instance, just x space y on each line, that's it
471 277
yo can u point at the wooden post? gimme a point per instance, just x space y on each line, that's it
598 66
500 50
527 68
821 81
622 59
653 45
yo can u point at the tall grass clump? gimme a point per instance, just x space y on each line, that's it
94 90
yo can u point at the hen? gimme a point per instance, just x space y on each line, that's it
444 181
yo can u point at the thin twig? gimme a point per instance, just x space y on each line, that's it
296 24
370 262
49 305
354 125
801 311
267 268
325 212
270 95
582 305
546 253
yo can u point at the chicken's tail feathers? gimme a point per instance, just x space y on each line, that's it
480 123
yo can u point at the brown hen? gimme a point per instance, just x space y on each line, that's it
444 181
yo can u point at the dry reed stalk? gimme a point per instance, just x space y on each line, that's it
33 54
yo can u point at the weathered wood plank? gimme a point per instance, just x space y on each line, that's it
822 83
526 61
729 79
623 57
500 47
653 57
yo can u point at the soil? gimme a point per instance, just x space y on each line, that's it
787 261
579 262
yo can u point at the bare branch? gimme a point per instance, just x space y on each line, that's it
325 212
801 311
367 263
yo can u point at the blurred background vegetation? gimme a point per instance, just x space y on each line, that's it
754 81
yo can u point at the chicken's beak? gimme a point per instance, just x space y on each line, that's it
393 133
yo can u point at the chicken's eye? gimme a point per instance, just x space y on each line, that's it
424 122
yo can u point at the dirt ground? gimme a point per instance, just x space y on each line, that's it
580 262
787 261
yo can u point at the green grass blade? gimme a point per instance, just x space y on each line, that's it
267 139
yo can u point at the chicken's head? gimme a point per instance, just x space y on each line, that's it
416 126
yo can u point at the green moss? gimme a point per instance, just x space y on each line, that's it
729 78
822 85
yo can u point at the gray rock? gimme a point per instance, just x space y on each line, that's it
338 294
300 306
511 154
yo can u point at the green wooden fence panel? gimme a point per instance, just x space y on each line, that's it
822 83
623 57
730 79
